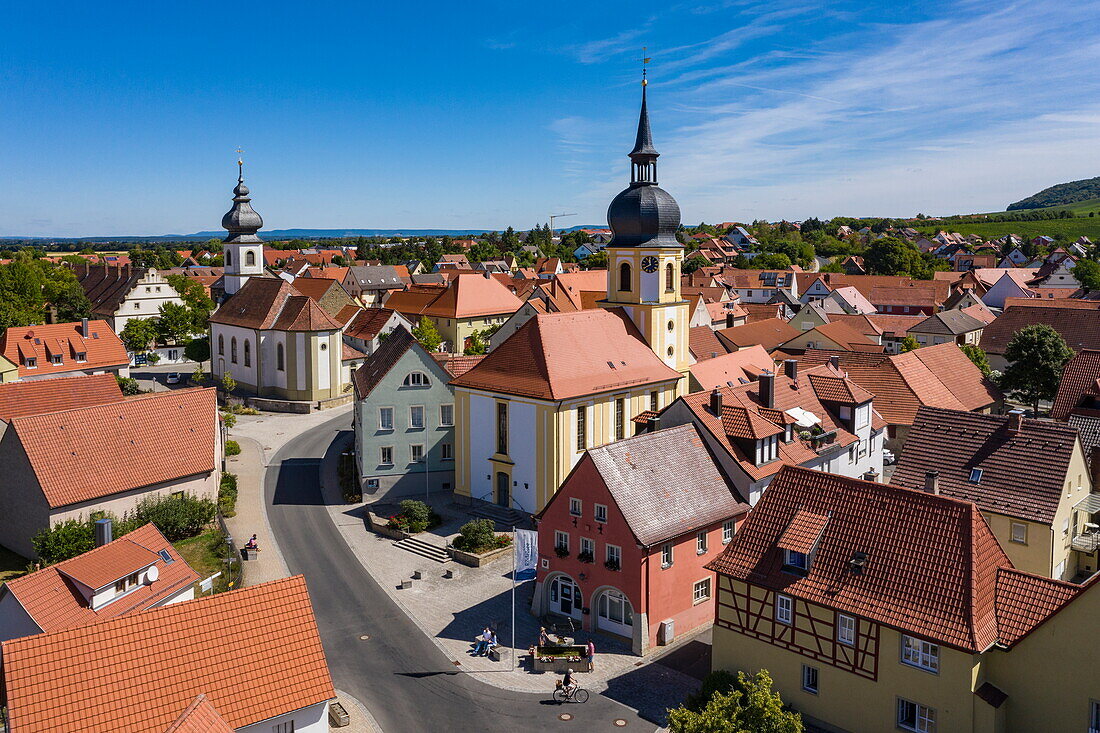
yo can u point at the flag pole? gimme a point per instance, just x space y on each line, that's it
515 549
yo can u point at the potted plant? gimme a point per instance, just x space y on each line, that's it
612 565
561 551
585 556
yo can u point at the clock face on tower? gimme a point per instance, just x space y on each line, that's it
650 264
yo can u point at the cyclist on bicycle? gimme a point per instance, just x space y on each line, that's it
568 684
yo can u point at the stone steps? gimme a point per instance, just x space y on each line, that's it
505 517
424 549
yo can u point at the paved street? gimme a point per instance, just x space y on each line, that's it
399 673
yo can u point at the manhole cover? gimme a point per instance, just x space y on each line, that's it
364 637
620 723
565 716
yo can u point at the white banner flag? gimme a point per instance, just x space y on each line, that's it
527 553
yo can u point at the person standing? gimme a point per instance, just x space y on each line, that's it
591 650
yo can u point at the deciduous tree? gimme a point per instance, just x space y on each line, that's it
1035 356
750 706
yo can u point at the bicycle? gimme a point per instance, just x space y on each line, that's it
579 694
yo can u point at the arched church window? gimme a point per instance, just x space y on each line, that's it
670 277
228 258
250 258
221 345
247 353
279 357
233 349
624 277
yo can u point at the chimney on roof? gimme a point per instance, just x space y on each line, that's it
84 327
488 275
103 533
653 424
716 402
1015 421
766 388
871 475
834 362
790 368
932 482
729 320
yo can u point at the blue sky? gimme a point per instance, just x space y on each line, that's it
122 118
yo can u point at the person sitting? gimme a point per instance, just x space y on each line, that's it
544 638
251 544
568 684
481 643
492 644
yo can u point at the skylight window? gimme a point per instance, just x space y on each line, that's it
165 556
975 475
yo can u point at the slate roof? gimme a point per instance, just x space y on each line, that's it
952 323
939 376
254 652
704 344
54 603
19 399
953 443
273 303
102 348
1088 431
91 452
1080 327
933 566
377 277
733 368
556 356
1080 379
199 717
665 484
768 333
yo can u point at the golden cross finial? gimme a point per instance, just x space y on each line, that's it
645 60
240 155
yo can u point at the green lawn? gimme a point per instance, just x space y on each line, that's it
1080 208
201 553
11 565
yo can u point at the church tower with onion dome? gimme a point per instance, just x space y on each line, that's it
644 258
243 250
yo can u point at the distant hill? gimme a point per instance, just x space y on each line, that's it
1060 195
277 234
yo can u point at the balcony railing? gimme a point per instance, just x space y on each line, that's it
1087 541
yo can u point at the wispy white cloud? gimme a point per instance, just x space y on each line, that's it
965 111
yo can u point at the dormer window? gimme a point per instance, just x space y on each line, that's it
55 358
32 362
126 583
796 561
416 379
975 475
82 356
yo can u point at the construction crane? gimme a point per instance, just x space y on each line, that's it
552 217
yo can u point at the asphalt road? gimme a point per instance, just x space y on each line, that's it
399 673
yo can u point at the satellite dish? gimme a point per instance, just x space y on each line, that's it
152 574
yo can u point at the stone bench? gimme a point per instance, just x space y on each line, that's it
250 553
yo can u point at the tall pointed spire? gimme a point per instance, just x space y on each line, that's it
643 158
241 221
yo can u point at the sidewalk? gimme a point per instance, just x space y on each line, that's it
251 516
452 611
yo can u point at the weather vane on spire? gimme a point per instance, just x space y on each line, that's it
645 60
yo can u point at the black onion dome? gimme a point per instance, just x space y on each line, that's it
241 221
644 214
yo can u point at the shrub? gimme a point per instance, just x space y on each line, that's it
229 419
128 385
64 540
227 495
476 536
176 516
232 448
349 479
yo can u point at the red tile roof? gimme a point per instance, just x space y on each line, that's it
19 399
412 302
931 566
472 296
368 323
556 356
91 452
733 368
200 717
1080 327
273 303
704 343
254 652
845 336
457 364
954 443
1080 379
101 346
55 603
769 333
802 534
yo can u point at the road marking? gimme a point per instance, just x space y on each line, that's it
565 716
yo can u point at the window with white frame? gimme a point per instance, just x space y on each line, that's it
809 679
385 456
416 379
920 653
561 540
1019 533
575 506
447 415
701 591
728 527
588 547
915 717
600 512
416 453
385 418
447 451
784 609
701 543
614 555
846 629
416 416
666 555
797 561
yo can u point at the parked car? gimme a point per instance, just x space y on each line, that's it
888 457
173 378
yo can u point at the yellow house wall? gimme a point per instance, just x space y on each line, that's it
820 341
1049 675
456 330
845 699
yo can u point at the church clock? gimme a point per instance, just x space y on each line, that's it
650 264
